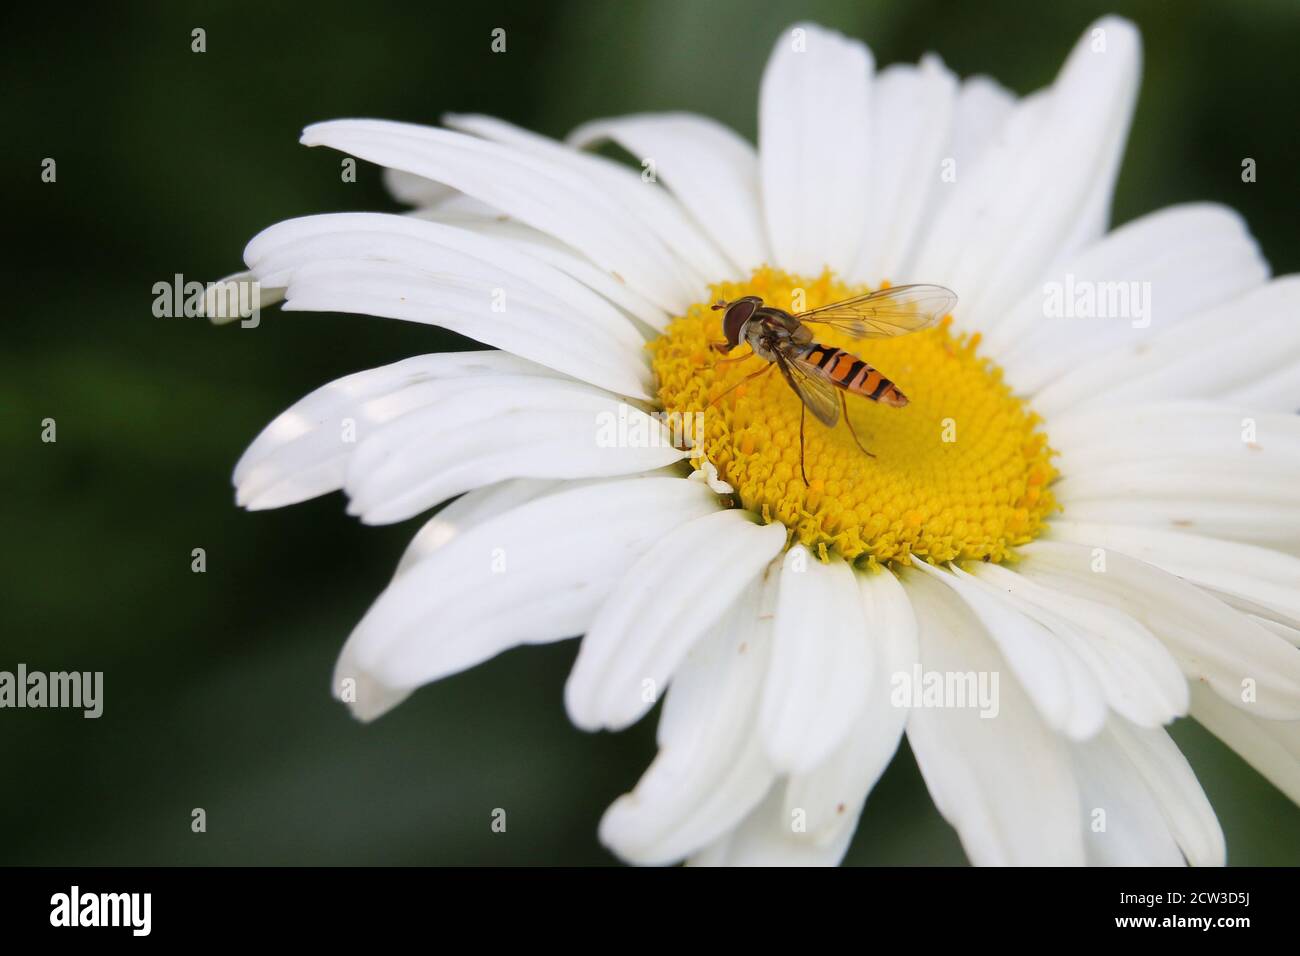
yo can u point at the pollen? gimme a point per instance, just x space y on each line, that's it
963 472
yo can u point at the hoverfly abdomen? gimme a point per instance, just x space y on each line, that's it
854 375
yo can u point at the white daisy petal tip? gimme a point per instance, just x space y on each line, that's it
1248 665
1067 695
1109 50
367 697
815 201
237 298
525 570
660 609
1141 680
710 770
1005 784
820 663
708 473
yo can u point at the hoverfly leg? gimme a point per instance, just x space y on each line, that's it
845 402
761 371
728 361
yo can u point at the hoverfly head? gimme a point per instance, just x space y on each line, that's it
733 320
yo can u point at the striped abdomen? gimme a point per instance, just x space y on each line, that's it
854 375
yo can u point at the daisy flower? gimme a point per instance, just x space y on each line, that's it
1091 516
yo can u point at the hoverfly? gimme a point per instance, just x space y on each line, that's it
821 375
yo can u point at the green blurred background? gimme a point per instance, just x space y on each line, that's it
216 689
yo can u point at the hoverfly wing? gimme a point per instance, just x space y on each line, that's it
885 312
813 386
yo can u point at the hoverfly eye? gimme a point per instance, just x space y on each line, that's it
738 313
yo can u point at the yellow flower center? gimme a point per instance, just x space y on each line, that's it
961 473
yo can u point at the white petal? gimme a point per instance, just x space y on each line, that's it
816 85
1124 824
415 190
1138 785
433 248
1247 577
1148 275
304 451
1066 693
534 574
688 703
1278 391
708 167
1181 482
1270 746
982 109
1193 360
376 288
1172 782
912 110
1265 523
471 509
1285 631
459 209
550 250
544 194
477 433
228 300
1195 466
659 609
710 770
1204 431
832 795
769 837
1005 783
708 473
408 268
367 697
1017 211
1210 640
821 664
1140 679
699 260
